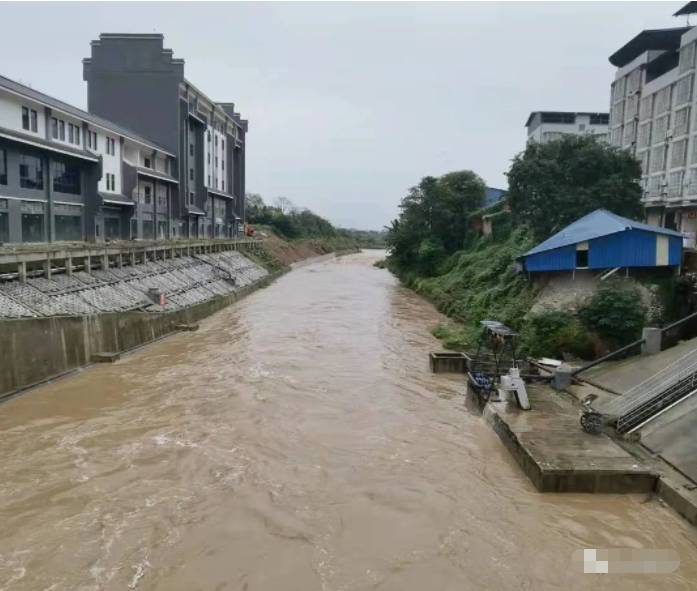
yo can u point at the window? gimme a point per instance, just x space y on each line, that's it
71 133
54 128
148 230
682 121
191 174
191 149
91 139
209 180
32 227
110 182
68 227
216 162
222 164
148 194
646 108
3 167
146 163
31 173
61 130
77 135
66 178
191 197
112 228
208 136
678 154
222 144
658 159
223 185
34 120
209 157
644 138
216 141
110 146
25 118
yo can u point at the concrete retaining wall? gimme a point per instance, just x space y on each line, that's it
33 350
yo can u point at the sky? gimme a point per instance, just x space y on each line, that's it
350 104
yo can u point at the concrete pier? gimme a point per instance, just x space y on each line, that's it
557 456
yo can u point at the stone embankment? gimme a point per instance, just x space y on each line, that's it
55 321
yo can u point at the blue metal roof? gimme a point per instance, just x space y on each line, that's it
597 223
492 195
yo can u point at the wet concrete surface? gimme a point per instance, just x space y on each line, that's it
296 441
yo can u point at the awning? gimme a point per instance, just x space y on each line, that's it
155 174
193 210
115 199
196 117
46 145
221 194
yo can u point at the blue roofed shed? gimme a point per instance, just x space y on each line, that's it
603 240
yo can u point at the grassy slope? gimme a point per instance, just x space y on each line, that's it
278 252
478 283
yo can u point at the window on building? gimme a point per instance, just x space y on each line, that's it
112 228
61 130
223 185
222 145
209 157
191 174
222 164
191 197
216 141
208 136
71 133
68 227
4 227
209 180
25 118
147 191
31 173
147 163
34 120
66 178
191 149
3 167
54 128
32 227
77 135
148 230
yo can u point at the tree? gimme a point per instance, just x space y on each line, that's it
433 220
554 184
284 204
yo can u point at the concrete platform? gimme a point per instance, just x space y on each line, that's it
557 456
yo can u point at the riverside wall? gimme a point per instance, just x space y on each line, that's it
34 350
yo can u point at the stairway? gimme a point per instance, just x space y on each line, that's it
645 400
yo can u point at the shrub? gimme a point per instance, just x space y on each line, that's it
555 333
615 313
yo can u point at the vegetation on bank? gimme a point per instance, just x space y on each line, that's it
436 248
292 234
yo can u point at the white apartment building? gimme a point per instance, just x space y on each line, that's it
66 174
546 126
653 115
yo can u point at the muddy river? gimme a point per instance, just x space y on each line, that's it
297 441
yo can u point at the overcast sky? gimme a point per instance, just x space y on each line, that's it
351 104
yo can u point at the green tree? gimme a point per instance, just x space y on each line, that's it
433 220
555 183
616 313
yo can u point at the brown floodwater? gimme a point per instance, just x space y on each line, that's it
297 441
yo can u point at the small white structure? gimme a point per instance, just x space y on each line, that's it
546 126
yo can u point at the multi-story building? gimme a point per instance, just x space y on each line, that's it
68 175
133 80
652 114
546 126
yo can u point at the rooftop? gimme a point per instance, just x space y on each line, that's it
666 39
561 115
600 222
16 88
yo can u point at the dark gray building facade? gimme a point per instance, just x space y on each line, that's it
135 82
